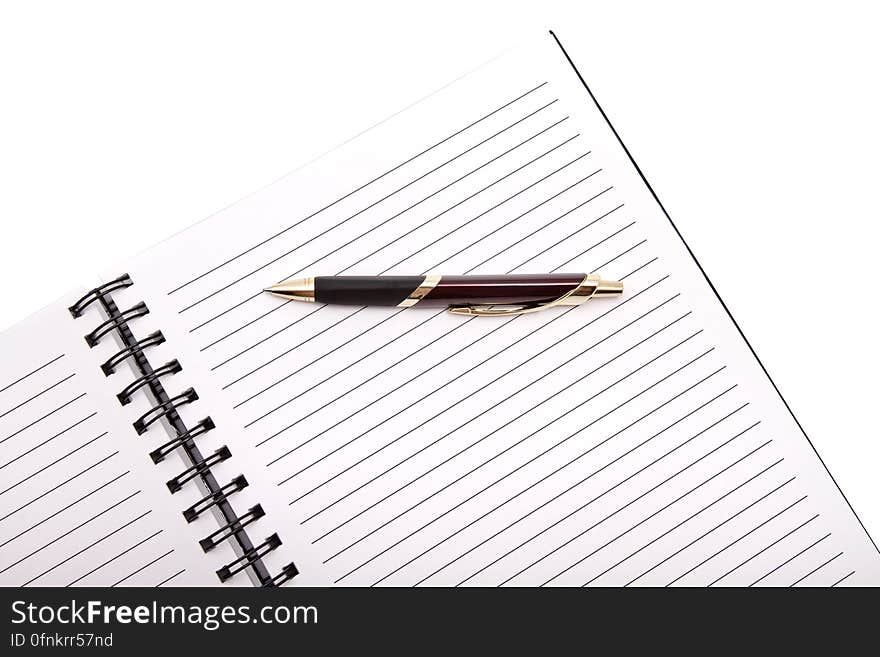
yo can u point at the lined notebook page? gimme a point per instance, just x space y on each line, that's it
78 502
633 441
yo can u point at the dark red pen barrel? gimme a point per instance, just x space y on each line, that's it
500 289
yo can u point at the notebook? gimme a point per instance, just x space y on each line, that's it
170 424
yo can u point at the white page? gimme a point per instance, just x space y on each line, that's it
80 502
628 441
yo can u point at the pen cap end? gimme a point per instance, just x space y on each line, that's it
608 289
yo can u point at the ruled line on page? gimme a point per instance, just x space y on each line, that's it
502 583
509 499
394 338
433 391
548 224
385 370
634 246
409 232
789 560
764 549
510 396
641 266
580 229
435 545
114 558
387 470
37 395
721 524
31 373
638 269
60 484
470 245
89 546
641 496
476 367
361 187
142 568
637 244
617 231
63 509
399 189
816 569
52 463
844 578
168 579
692 516
605 492
415 449
385 221
577 484
645 364
399 336
47 441
376 350
70 531
306 267
43 417
498 480
249 323
66 498
480 215
714 476
312 336
391 316
619 255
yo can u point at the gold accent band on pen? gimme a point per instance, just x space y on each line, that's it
421 291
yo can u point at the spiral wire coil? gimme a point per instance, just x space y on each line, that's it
233 526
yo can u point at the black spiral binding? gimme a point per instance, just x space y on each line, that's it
165 406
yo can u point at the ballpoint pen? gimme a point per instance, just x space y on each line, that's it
509 294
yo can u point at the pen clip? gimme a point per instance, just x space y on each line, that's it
498 310
584 291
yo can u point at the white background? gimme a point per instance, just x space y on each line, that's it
756 123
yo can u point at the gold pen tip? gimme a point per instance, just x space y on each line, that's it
298 289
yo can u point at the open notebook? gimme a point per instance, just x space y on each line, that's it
631 441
